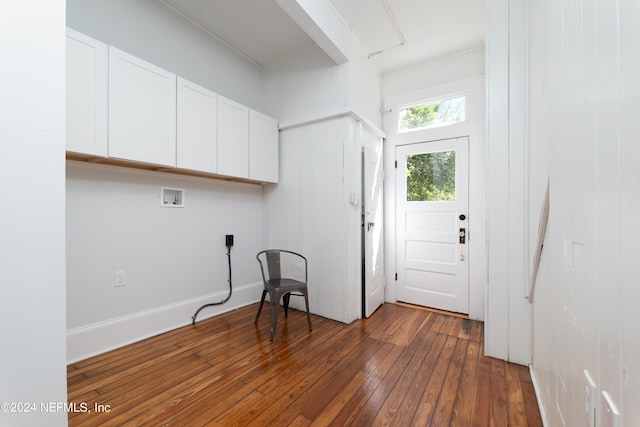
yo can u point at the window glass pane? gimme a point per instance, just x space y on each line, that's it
431 177
436 113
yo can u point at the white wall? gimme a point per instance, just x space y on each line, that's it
452 68
32 306
150 31
365 84
474 127
174 258
304 85
583 128
308 85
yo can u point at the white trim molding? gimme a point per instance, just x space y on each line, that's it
536 388
334 115
100 337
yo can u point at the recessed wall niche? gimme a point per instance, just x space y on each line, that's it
171 197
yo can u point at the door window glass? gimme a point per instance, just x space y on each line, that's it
431 177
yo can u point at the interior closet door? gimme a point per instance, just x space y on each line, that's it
373 250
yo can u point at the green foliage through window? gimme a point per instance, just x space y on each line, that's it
435 113
431 177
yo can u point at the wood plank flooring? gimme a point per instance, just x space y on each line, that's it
401 367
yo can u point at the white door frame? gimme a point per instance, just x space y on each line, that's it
474 127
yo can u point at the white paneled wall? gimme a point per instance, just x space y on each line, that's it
310 212
583 127
508 319
629 106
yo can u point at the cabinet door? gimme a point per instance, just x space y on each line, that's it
263 147
142 110
233 138
86 95
197 127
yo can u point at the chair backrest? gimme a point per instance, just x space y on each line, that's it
282 264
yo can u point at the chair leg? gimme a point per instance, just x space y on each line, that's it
275 301
306 303
285 300
264 292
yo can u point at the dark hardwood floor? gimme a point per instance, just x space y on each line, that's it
403 366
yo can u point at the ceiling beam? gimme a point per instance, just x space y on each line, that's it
322 23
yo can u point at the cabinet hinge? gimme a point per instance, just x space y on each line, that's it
396 164
396 276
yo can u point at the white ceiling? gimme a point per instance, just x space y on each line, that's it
397 34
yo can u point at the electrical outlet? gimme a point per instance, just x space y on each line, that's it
120 278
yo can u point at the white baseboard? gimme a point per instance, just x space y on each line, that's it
90 340
536 387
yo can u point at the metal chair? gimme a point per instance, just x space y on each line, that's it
283 272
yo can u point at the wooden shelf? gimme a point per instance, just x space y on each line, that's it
156 168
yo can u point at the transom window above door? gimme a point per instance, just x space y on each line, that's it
433 113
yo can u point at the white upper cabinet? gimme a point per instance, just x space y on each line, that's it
121 107
233 138
197 127
263 147
142 110
86 95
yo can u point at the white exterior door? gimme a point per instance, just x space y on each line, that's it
372 224
431 219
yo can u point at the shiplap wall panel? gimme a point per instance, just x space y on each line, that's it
583 130
308 212
630 208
